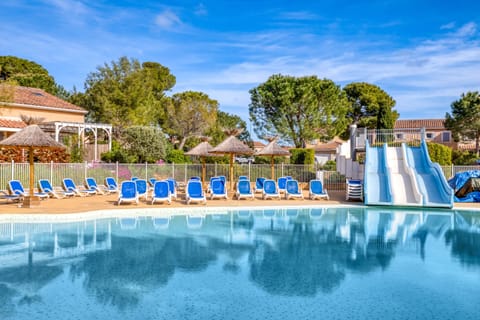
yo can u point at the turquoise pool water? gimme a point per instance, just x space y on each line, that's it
270 264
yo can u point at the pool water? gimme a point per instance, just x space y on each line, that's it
309 263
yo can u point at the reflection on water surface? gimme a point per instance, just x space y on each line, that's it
239 264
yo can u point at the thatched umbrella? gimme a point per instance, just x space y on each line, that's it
202 150
31 137
272 149
232 146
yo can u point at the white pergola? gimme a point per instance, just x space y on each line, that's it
82 127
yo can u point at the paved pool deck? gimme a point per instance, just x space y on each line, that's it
109 202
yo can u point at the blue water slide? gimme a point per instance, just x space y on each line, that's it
430 178
377 188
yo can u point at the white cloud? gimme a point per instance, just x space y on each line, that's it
167 19
467 30
71 7
448 26
201 10
298 15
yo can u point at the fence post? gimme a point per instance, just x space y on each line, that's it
116 171
173 170
249 166
51 171
185 175
86 166
452 171
146 171
282 171
216 175
13 170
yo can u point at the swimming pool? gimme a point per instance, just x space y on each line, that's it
307 263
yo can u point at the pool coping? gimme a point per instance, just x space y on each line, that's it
181 211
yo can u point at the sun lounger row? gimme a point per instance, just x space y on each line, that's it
290 187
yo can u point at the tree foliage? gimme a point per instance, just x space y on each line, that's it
227 121
370 106
126 93
143 144
298 109
27 73
189 114
464 121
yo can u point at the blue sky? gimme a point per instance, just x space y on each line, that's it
425 54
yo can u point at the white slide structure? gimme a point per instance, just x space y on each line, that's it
404 176
402 179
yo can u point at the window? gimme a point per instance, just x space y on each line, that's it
429 135
446 136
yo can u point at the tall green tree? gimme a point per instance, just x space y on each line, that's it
464 120
227 121
370 106
126 93
189 114
298 109
27 73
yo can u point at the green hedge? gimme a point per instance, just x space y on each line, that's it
302 156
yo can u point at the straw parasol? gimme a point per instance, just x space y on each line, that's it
202 150
272 149
31 137
232 146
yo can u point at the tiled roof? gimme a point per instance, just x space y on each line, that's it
12 124
420 123
40 98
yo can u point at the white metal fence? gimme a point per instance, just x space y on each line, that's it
55 172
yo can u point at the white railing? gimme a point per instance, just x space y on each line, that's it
55 172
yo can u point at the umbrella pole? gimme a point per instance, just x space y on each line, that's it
231 171
272 167
31 200
203 171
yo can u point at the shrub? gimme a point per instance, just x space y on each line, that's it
463 157
177 156
440 153
330 165
302 156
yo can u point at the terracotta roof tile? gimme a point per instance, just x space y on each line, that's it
13 124
420 123
40 98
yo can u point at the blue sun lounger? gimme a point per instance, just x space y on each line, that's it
161 192
292 190
111 184
194 192
91 184
142 188
270 190
128 192
244 190
316 190
218 189
259 184
172 185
